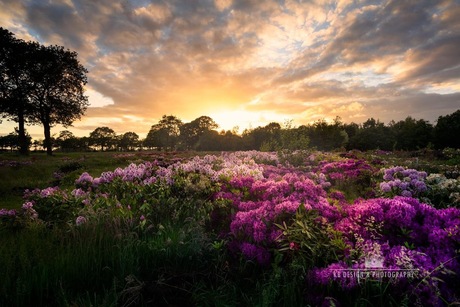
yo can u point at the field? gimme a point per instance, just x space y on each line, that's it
230 229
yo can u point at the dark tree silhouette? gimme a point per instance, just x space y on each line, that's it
128 141
165 134
40 84
411 134
57 89
447 131
104 137
191 132
14 83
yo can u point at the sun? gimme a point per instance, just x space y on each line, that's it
243 119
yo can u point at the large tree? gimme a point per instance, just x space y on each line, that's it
165 134
447 130
104 137
191 132
40 84
15 105
129 141
57 88
411 134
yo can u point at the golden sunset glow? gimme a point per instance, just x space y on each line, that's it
248 63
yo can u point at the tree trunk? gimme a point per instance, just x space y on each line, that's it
22 138
47 142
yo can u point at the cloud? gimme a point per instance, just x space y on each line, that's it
302 60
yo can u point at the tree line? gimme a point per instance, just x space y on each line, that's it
201 134
45 85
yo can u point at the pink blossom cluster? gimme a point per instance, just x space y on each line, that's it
7 213
261 203
225 166
345 169
44 193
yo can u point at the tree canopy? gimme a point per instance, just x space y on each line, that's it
40 85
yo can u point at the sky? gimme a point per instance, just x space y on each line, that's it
247 63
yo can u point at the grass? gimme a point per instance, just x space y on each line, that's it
18 173
103 262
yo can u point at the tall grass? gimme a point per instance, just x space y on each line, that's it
104 262
42 266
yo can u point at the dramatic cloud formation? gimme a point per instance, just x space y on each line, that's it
248 62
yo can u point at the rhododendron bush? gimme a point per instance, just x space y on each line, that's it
400 230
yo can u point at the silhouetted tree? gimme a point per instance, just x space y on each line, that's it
210 140
128 141
447 131
191 132
57 89
67 141
411 134
294 138
265 138
373 134
351 129
40 84
104 137
325 136
14 83
165 134
230 141
11 140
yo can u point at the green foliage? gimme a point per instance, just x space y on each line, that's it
70 167
308 241
293 157
55 208
411 134
156 244
447 127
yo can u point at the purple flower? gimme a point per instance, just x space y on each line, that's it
406 193
27 205
6 212
385 187
80 220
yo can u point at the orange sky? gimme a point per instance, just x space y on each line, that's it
248 63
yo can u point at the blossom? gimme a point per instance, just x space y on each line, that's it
385 187
404 182
27 205
8 213
80 220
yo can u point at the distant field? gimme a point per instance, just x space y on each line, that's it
18 173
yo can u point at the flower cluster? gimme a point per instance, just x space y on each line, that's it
260 204
405 182
404 234
344 170
443 192
12 218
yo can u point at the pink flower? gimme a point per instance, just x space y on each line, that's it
293 246
80 220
